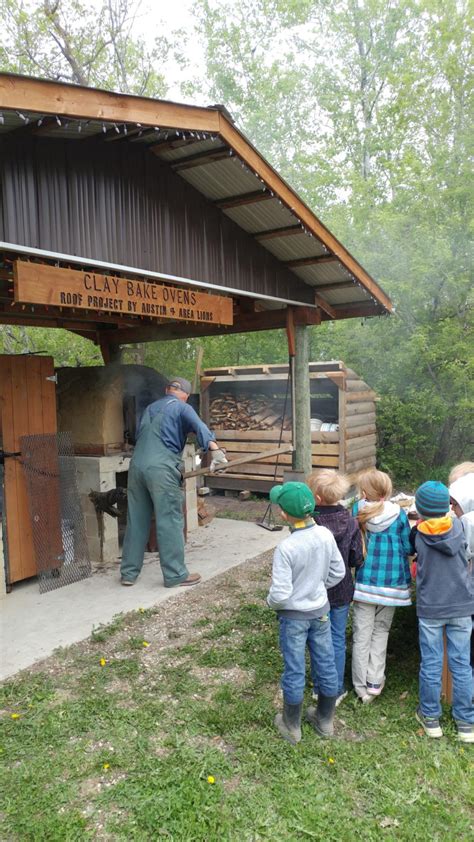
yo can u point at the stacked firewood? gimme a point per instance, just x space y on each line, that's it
229 412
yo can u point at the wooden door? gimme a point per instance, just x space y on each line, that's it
27 407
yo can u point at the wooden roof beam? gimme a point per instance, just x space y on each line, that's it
325 306
276 233
200 159
334 286
243 199
245 323
358 309
41 96
311 261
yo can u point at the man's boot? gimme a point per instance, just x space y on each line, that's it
322 716
289 722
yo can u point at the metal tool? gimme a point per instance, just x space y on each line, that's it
254 457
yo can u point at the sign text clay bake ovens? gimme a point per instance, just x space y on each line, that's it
39 283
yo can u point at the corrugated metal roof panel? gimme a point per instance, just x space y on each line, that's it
345 295
221 179
291 248
261 216
187 149
10 121
323 273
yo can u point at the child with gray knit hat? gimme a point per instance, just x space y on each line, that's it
444 600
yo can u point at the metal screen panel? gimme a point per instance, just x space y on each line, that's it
57 521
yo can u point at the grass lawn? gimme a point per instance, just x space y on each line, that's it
160 727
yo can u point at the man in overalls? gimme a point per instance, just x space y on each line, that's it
155 484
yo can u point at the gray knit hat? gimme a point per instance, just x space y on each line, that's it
432 499
180 383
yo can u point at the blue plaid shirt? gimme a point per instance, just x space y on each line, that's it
384 578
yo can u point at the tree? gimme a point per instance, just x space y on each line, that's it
68 41
365 112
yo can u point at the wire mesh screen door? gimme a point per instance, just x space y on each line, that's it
57 521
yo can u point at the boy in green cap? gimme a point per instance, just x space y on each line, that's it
305 564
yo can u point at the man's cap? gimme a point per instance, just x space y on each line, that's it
432 499
295 498
180 383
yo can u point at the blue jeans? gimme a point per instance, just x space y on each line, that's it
338 617
295 635
458 637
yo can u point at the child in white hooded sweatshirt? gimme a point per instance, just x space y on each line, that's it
381 584
461 492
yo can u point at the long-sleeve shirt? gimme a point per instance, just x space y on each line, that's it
178 420
305 564
384 578
345 529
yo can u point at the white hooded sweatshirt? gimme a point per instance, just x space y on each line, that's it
463 492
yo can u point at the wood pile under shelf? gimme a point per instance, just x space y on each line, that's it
259 412
247 421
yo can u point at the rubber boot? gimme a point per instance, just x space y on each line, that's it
322 716
289 722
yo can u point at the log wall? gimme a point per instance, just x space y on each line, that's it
351 448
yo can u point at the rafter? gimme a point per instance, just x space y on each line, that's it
321 302
276 233
200 159
311 261
243 199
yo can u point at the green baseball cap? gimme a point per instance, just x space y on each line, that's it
295 498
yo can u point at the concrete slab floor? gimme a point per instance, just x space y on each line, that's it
33 625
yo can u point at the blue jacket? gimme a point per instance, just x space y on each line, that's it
444 586
384 578
178 420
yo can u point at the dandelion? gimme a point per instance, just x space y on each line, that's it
211 779
331 760
106 766
102 662
141 610
15 715
145 643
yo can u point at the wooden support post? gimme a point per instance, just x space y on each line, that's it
302 430
111 352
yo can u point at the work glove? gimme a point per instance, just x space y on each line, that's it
218 460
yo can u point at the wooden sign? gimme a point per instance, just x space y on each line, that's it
38 283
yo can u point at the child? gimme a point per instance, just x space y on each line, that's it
304 565
461 493
460 471
381 584
328 488
444 600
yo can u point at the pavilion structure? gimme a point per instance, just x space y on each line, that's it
126 220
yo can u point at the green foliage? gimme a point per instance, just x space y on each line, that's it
71 41
364 106
182 746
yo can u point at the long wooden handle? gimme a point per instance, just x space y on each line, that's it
254 457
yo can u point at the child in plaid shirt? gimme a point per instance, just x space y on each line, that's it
381 584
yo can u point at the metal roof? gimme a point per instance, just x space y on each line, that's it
203 147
